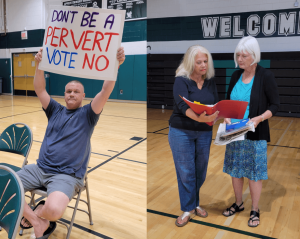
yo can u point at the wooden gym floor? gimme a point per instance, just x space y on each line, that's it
280 198
117 177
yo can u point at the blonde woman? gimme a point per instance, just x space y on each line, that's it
189 135
248 158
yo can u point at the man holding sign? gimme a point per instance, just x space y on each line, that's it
64 152
82 42
65 149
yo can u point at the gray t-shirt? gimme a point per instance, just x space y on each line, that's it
66 144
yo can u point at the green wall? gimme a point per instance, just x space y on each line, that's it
131 79
13 39
5 73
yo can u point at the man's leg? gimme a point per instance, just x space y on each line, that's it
53 210
39 225
31 177
54 207
60 190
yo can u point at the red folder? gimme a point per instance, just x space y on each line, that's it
227 109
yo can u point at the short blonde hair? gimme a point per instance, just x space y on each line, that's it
187 65
248 44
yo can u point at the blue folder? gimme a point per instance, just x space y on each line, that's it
237 125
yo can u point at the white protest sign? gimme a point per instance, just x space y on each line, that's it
83 42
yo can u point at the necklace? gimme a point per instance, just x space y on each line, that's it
200 83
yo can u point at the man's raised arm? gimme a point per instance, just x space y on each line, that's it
108 86
39 82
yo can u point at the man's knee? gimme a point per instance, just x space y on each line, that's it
52 213
55 206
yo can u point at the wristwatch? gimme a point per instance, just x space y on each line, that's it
262 118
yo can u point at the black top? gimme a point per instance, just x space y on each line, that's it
208 95
264 96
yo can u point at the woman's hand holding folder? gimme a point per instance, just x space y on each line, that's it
227 121
202 117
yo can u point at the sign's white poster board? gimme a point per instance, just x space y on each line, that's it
83 42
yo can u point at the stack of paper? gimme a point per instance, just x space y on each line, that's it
234 132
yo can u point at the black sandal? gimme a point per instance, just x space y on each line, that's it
236 209
26 221
254 214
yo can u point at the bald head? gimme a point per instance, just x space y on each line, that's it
74 94
77 82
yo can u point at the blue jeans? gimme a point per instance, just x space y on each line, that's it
190 151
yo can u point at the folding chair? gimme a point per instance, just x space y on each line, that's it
16 140
43 192
11 201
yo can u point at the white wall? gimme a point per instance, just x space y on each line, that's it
175 8
24 14
1 17
185 8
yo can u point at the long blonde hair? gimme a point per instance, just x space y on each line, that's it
187 65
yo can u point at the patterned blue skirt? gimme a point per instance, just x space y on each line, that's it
246 158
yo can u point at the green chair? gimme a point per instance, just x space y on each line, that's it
11 201
18 140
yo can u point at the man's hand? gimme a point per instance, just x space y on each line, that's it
38 56
121 55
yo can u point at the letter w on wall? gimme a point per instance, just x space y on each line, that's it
209 26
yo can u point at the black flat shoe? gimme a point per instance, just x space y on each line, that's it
49 230
254 214
26 221
236 209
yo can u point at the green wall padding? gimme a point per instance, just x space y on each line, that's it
5 73
125 78
58 82
135 31
47 79
227 80
224 64
229 72
140 78
132 79
265 63
13 39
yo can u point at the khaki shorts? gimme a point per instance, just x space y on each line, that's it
34 177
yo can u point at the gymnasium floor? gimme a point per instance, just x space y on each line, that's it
117 169
280 198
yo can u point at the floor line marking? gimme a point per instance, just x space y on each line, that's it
211 225
106 161
21 114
